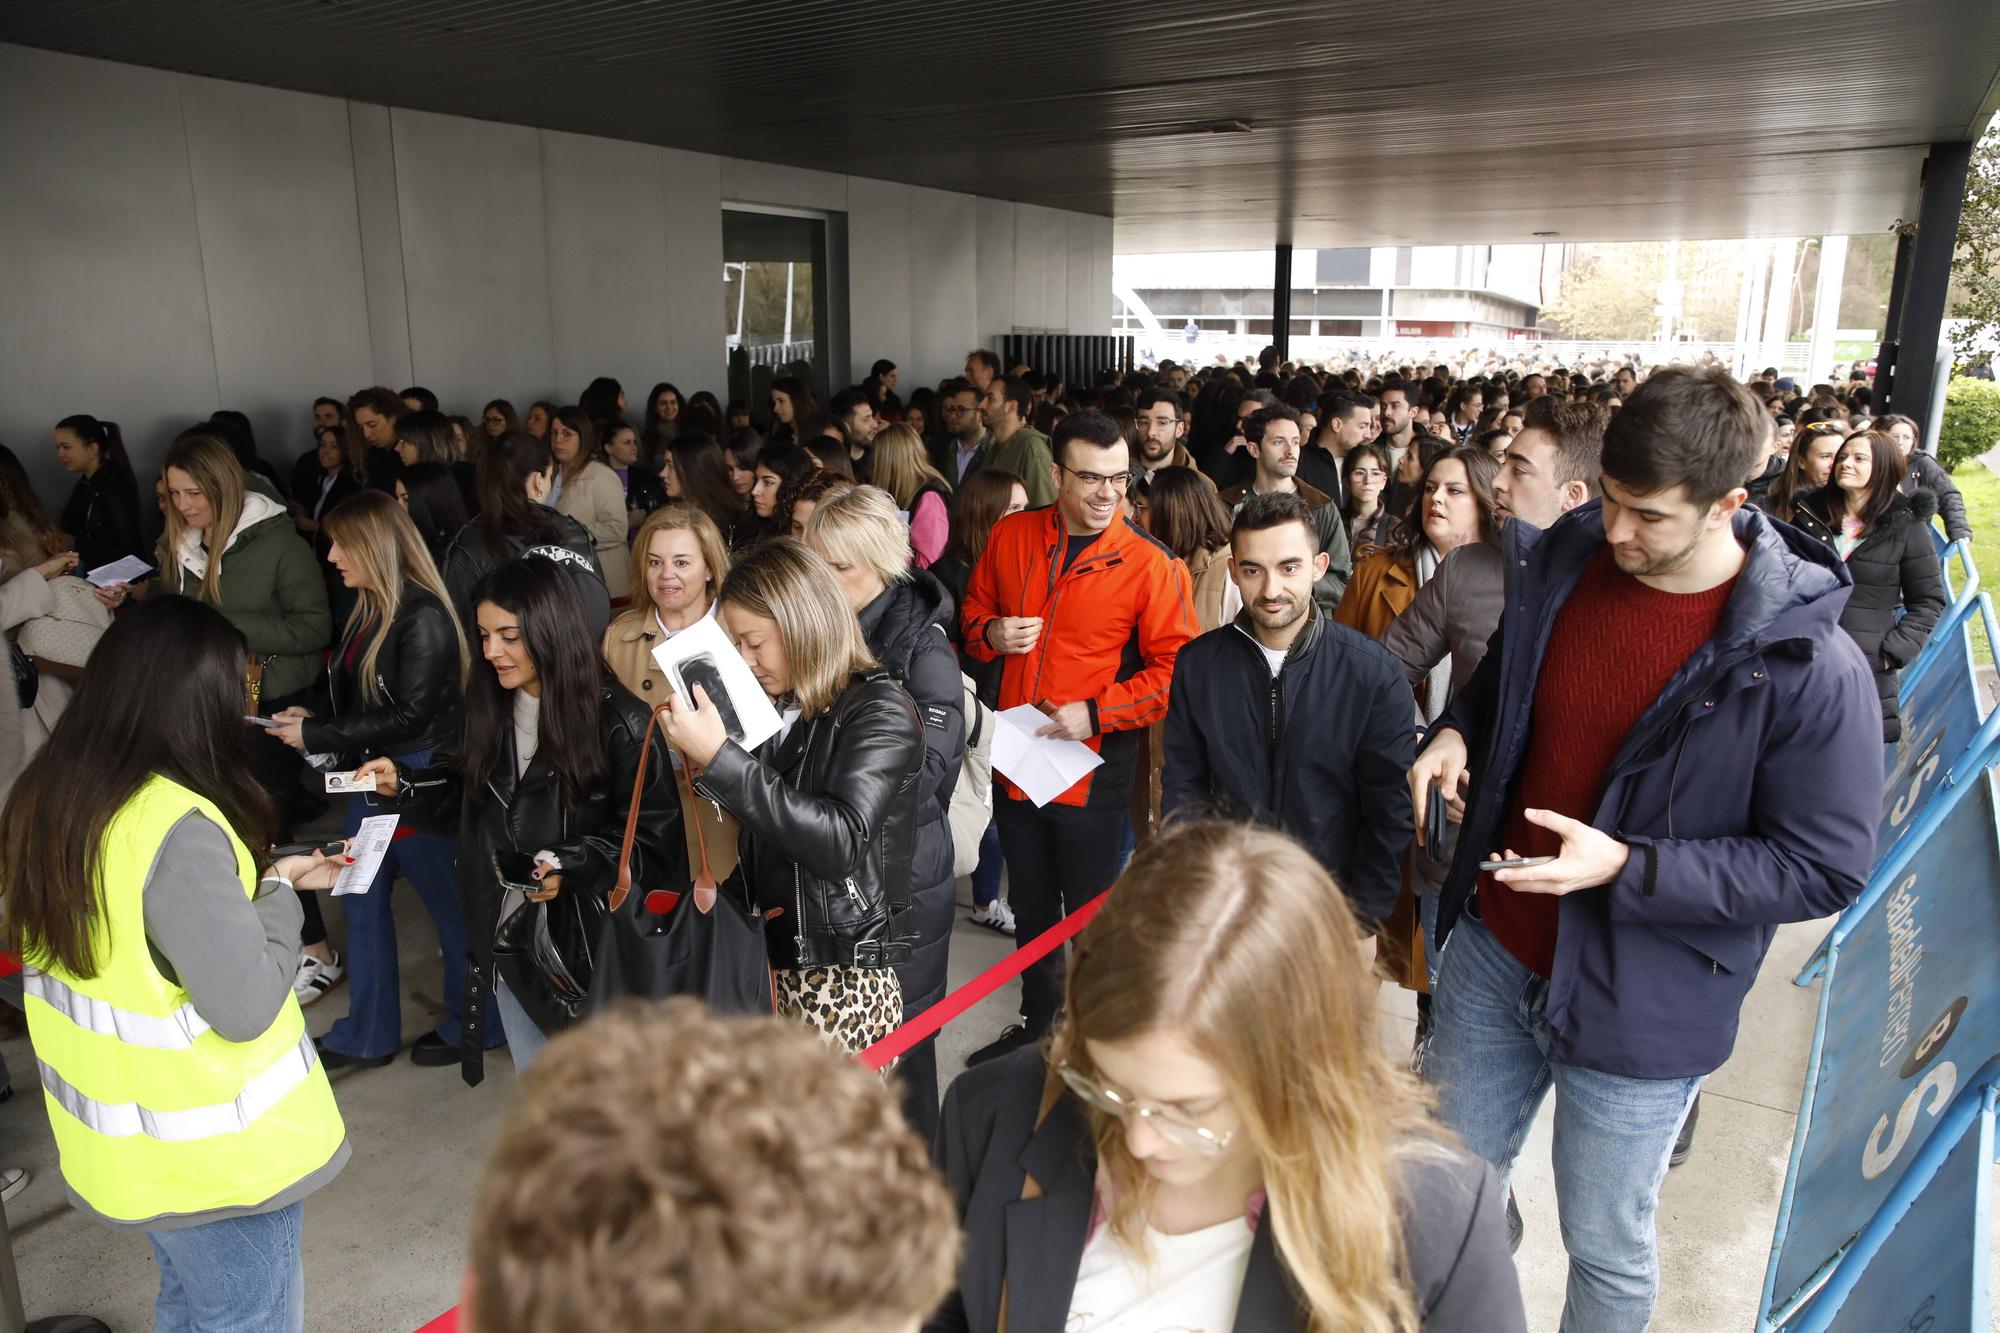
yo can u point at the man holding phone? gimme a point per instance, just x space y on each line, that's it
1668 664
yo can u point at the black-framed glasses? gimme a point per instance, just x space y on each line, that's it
1092 481
1173 1127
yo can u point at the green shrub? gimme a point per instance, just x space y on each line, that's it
1971 421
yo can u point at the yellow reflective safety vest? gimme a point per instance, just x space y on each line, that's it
154 1113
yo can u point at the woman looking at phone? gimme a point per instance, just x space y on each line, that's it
678 564
828 805
160 941
541 776
394 685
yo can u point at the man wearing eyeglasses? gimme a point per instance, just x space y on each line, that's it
1272 437
1087 614
1162 433
956 451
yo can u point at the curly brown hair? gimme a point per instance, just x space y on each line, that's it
667 1167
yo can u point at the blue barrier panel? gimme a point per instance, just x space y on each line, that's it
1956 612
1910 1003
1921 1262
1941 747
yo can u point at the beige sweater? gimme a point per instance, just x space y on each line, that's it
594 498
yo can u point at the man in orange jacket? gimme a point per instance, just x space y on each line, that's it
1087 612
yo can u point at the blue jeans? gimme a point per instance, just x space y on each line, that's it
243 1275
524 1039
986 875
373 1025
1489 1062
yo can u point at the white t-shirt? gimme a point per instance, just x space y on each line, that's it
1275 656
1192 1285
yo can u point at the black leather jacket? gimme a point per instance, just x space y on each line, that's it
467 558
528 815
417 704
829 818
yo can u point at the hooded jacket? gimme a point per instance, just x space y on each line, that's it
270 588
1711 792
1895 568
903 629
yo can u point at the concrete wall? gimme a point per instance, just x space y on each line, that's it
170 245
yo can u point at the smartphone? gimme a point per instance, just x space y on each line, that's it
1517 863
265 722
1434 823
516 870
335 848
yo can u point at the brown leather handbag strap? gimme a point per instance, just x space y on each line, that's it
704 884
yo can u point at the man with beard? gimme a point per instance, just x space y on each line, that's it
1274 447
1291 719
1162 434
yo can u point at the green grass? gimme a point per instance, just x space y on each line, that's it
1981 489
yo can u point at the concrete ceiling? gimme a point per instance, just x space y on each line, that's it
1368 123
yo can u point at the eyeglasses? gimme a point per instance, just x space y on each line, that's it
1369 474
1092 481
1173 1128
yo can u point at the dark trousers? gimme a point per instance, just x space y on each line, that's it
1058 858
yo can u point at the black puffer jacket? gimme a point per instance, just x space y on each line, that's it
528 815
829 816
468 558
417 703
1895 566
903 629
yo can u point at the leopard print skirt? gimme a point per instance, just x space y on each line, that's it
850 1007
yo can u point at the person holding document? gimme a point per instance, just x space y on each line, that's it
394 685
540 780
1087 612
828 805
186 1098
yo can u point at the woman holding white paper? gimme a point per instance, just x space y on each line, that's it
537 791
678 563
828 805
394 686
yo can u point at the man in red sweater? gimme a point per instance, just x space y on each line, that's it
1669 673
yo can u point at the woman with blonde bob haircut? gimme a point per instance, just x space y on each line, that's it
900 465
678 564
828 806
1218 1138
395 685
901 609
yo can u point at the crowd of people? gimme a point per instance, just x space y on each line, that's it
1498 685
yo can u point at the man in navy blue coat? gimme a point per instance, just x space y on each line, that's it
1670 711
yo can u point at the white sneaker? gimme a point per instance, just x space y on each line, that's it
315 978
996 915
12 1181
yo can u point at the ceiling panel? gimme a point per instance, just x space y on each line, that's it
1368 123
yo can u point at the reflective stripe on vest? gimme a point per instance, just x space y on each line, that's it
175 1032
122 1119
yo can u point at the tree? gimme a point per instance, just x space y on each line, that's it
1612 291
1975 267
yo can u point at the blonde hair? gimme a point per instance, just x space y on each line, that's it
665 1167
213 468
862 527
1237 940
680 516
899 465
377 536
781 580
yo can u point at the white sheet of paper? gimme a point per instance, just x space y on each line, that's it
747 710
1042 766
370 844
122 570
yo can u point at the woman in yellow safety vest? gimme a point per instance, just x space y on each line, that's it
186 1097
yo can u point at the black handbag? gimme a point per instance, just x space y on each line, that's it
700 939
547 954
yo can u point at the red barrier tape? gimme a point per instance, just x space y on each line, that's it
932 1020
